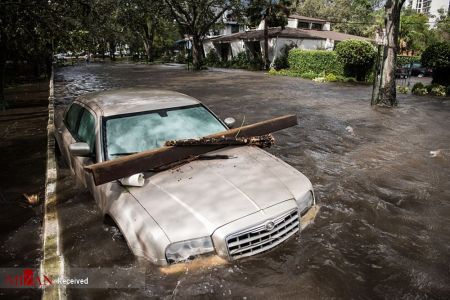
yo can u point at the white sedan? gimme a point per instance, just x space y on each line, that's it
229 207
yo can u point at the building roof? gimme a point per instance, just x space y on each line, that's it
132 100
307 18
287 32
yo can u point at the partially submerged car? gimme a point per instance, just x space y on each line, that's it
235 207
413 69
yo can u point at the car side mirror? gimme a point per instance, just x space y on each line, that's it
80 149
229 122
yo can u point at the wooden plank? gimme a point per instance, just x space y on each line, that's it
262 141
143 161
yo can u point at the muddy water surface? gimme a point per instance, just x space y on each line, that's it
383 228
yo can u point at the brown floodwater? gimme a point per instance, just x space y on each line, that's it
383 227
23 153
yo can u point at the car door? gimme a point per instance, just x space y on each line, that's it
80 126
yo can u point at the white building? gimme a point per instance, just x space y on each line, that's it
430 8
300 32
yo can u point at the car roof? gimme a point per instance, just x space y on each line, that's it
133 100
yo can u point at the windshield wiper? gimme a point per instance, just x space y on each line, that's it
123 153
217 156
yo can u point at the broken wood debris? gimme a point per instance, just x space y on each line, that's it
263 141
153 159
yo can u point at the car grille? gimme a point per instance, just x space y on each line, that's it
259 239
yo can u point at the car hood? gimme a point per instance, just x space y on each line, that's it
195 199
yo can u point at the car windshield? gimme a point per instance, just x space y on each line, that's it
145 131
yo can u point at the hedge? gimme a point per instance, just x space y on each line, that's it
357 57
403 60
317 61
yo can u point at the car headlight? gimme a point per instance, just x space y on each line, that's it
305 202
182 251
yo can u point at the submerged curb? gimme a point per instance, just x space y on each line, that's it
52 264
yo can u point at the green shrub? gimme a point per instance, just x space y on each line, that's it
402 89
256 63
420 91
309 75
340 78
417 85
241 61
436 89
331 77
447 91
166 57
180 58
272 71
212 59
320 79
431 86
437 57
370 76
304 61
357 57
282 61
284 72
403 60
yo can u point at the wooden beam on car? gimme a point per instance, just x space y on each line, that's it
147 160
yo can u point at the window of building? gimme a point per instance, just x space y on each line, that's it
234 28
303 25
316 26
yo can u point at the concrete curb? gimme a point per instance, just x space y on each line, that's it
52 264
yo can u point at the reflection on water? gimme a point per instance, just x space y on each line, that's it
383 228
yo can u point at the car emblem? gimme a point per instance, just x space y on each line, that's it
270 225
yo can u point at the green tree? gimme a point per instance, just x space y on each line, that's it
144 19
349 16
196 17
273 13
443 25
414 31
437 57
27 30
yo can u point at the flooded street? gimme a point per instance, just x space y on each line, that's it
383 230
23 149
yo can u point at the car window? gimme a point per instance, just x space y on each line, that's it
416 65
72 117
86 129
145 131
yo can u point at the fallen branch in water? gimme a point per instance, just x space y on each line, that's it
263 141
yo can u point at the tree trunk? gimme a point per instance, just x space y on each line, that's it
388 94
197 52
148 50
148 42
112 50
266 44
